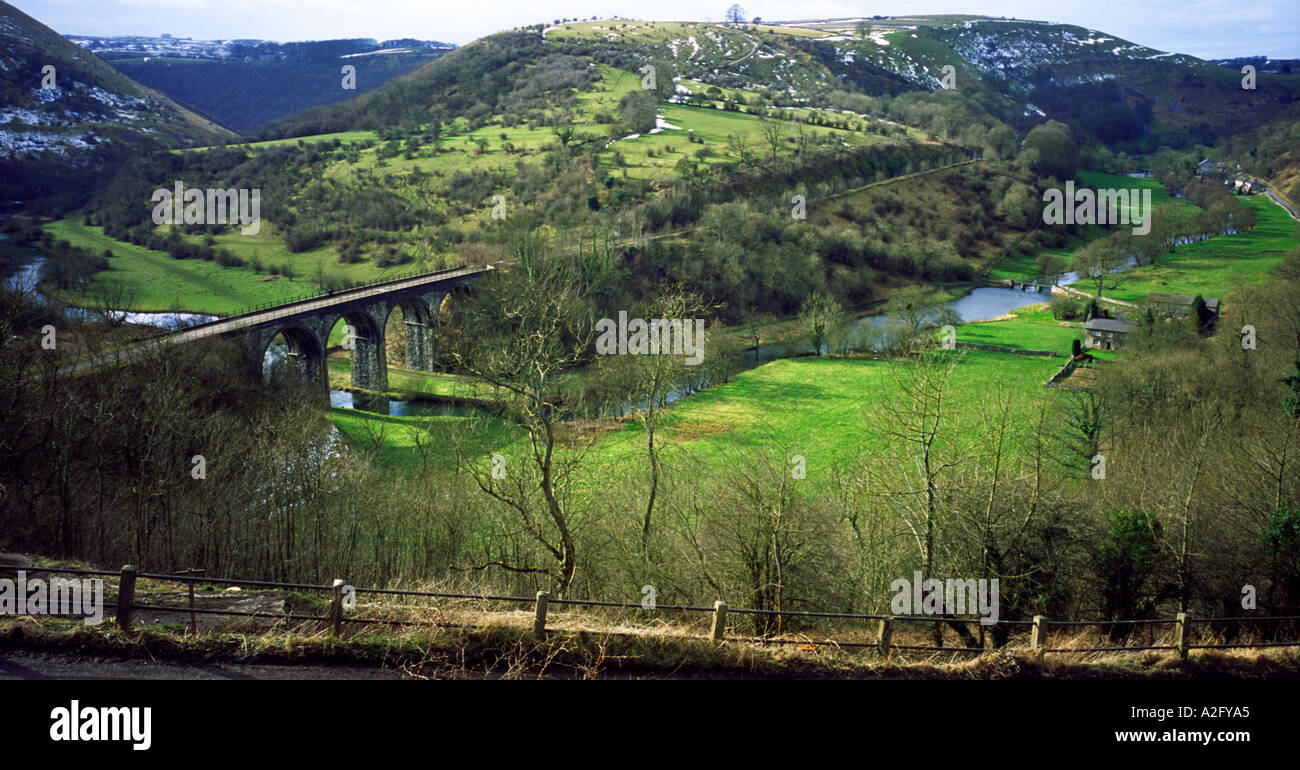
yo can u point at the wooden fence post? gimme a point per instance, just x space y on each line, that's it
719 620
886 634
125 597
1181 637
539 614
194 620
336 607
1038 637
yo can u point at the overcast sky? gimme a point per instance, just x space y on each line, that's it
1204 28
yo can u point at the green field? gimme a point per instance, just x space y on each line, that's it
715 128
1033 328
816 407
1211 268
395 438
1024 267
403 383
1215 267
810 406
162 283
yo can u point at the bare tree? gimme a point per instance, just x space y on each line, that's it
738 144
524 333
773 129
752 322
650 380
821 315
923 431
111 299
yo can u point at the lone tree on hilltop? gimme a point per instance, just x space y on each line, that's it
735 14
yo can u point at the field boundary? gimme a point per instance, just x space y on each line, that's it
1038 628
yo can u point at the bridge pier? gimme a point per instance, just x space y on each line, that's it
369 359
419 346
304 353
310 367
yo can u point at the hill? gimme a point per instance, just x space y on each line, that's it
1114 90
245 83
624 130
89 114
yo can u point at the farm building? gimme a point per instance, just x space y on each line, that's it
1208 168
1180 304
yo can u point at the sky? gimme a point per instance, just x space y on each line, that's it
1204 28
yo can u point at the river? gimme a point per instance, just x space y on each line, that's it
27 277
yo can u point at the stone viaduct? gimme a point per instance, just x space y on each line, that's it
306 326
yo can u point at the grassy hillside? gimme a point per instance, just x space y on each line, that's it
1030 328
158 282
532 124
1211 267
1023 266
431 195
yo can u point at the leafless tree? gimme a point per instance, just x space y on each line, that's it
525 332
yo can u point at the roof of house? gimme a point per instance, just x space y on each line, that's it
1107 325
1182 299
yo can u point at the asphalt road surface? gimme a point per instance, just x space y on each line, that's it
38 665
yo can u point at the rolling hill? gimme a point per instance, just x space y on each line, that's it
245 83
570 129
89 114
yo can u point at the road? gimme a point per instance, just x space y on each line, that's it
40 665
752 50
1287 207
1086 295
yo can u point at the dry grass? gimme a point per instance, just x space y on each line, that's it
427 637
463 639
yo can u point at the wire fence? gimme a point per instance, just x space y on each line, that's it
342 602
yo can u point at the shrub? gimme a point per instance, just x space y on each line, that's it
226 259
1066 307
